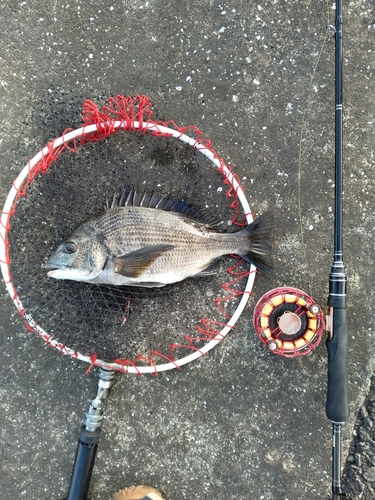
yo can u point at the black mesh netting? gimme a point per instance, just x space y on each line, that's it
116 322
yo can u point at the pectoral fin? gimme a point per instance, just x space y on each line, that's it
133 264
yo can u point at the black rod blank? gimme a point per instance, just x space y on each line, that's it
338 132
337 344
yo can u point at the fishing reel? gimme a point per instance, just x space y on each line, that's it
288 322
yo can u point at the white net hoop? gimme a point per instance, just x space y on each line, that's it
9 208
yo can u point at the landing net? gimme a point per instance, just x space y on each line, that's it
67 182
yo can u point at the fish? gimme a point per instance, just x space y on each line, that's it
151 241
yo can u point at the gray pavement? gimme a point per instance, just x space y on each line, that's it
258 79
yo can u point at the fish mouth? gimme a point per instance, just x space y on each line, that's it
64 272
51 266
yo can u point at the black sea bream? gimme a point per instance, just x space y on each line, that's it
149 241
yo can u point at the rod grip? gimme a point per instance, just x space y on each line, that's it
337 391
83 464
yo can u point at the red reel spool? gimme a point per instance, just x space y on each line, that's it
288 322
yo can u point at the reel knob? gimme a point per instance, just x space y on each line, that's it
289 323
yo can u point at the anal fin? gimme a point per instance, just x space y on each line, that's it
212 269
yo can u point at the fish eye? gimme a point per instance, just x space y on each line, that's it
70 247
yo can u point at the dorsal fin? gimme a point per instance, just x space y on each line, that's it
131 198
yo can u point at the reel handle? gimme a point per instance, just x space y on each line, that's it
337 394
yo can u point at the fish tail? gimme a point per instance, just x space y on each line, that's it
260 234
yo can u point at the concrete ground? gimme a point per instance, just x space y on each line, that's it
258 79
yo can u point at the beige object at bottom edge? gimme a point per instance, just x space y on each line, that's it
138 493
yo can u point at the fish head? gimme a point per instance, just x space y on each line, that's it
80 257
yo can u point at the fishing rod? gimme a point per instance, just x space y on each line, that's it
337 343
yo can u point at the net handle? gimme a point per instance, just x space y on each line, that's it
9 208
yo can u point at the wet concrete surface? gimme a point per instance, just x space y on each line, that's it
359 469
258 79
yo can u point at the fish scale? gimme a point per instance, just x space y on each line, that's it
152 247
195 246
136 227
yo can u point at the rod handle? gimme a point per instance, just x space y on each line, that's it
83 464
337 390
